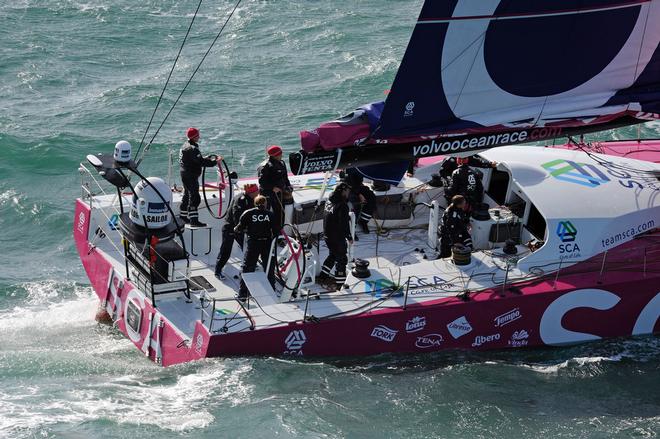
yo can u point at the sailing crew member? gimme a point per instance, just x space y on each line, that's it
259 225
238 205
449 165
337 231
410 172
274 182
454 227
465 182
362 198
191 163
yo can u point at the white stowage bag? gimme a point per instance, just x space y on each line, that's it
147 205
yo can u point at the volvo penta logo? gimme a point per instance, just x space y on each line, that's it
579 173
566 231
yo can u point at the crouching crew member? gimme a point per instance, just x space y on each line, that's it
454 227
363 198
191 163
465 182
259 225
337 231
238 205
274 181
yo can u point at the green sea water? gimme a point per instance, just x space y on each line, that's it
78 75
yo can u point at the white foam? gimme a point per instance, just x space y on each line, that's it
131 399
42 314
573 362
7 196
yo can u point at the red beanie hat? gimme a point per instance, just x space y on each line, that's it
250 188
274 150
192 133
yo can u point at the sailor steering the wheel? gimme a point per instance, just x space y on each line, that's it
191 163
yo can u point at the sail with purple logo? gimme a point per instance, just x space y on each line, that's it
488 73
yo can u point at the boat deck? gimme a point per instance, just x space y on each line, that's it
399 259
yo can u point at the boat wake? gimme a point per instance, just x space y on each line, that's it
52 338
175 403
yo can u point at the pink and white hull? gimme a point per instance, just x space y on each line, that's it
606 290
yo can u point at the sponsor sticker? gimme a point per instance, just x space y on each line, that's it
583 174
294 342
426 285
459 327
481 339
624 235
409 109
321 163
429 341
199 342
415 324
567 233
81 222
384 333
113 222
519 338
507 317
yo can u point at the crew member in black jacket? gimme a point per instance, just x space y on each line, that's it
466 182
363 198
475 161
454 227
337 231
259 225
238 205
191 163
274 181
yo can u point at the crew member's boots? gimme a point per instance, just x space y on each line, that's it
193 216
194 222
322 279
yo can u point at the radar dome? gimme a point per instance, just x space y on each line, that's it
122 151
147 206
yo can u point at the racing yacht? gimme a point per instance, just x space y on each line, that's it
566 243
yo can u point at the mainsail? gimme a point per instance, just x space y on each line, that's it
484 73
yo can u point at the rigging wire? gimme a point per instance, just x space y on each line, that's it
642 173
169 76
199 65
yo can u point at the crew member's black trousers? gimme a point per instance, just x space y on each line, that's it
255 249
228 238
276 205
338 258
365 211
191 199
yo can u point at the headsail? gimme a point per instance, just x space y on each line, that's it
484 73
